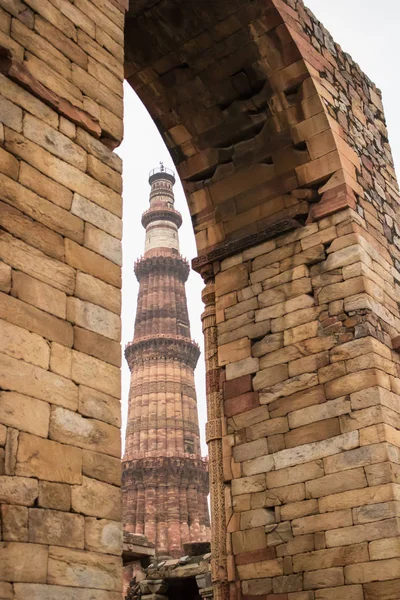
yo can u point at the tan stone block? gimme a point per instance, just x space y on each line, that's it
270 376
384 590
249 540
301 543
336 483
266 568
102 467
96 291
296 474
296 510
45 187
23 345
6 591
241 367
302 399
324 522
300 333
76 568
245 485
98 346
96 404
26 379
256 518
232 279
54 495
14 523
322 430
356 382
379 433
54 142
39 209
360 497
257 587
93 264
350 592
28 317
332 371
23 562
97 216
285 292
99 170
39 294
345 289
102 243
11 115
63 173
18 490
279 356
94 373
270 343
314 580
267 428
382 473
237 308
93 317
48 460
56 528
261 464
383 549
376 453
316 450
71 428
25 258
61 360
103 536
363 533
58 592
380 570
289 387
10 453
248 418
97 499
250 450
24 413
96 147
5 277
241 322
67 128
373 396
319 412
9 165
283 495
234 351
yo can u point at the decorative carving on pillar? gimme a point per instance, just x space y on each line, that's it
214 440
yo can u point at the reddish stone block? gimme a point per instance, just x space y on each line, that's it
238 386
333 201
255 556
241 404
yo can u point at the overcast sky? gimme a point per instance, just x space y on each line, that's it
368 31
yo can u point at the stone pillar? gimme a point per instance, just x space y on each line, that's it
61 110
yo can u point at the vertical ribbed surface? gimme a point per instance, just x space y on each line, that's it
165 480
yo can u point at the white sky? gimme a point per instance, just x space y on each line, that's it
367 31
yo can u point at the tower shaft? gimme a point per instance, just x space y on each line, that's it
165 479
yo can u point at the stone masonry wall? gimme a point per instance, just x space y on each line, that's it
61 74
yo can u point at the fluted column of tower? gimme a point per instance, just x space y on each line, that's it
165 479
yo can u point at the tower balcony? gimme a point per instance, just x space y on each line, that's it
153 347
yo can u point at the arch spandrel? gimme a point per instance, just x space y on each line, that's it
247 107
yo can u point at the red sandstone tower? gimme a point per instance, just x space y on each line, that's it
165 480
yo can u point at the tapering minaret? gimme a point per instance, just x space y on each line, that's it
165 480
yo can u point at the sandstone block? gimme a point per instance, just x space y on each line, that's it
97 292
18 490
338 482
102 243
71 428
245 485
289 387
61 360
56 528
243 452
325 522
48 460
96 404
268 428
241 404
314 580
256 518
383 549
368 532
45 187
54 495
297 401
98 169
23 562
316 450
296 510
232 279
266 568
257 587
350 592
9 164
366 455
98 346
83 569
102 467
308 364
39 294
356 382
25 258
297 474
259 465
24 378
24 413
270 376
23 345
5 277
375 512
280 356
14 523
97 499
58 592
320 412
380 570
102 535
93 317
322 430
241 367
97 216
360 497
270 343
6 591
95 373
330 557
234 351
91 263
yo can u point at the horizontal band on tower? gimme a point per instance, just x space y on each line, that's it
162 346
162 264
162 214
178 471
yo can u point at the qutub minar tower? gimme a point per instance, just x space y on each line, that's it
165 479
